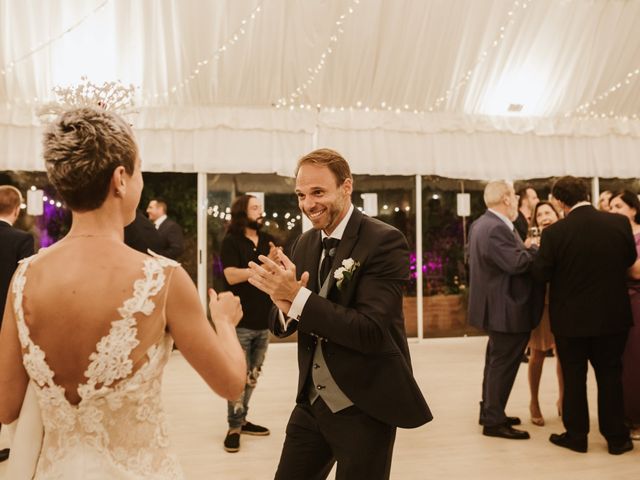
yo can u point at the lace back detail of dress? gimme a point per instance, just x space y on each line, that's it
119 420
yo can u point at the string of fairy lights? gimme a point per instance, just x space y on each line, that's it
586 109
9 67
292 100
232 40
179 86
517 7
222 213
313 71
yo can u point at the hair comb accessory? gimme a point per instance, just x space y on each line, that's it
111 96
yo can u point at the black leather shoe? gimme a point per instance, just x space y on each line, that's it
253 429
620 448
4 454
232 442
505 431
563 440
513 421
510 421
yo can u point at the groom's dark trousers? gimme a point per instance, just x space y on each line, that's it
359 330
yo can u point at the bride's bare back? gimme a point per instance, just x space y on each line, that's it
72 296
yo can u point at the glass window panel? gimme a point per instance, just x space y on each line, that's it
396 206
282 216
443 253
55 221
179 191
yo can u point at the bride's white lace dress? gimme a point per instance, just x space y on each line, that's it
118 429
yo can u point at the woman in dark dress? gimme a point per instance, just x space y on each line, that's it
627 204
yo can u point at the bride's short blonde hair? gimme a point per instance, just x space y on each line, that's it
82 148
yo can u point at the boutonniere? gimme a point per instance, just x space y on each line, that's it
345 272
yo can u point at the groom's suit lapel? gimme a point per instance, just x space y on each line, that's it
311 259
346 245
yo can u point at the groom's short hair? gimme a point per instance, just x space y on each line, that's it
325 157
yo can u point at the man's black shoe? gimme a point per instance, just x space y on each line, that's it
563 440
4 454
505 431
513 421
620 448
252 429
232 442
510 421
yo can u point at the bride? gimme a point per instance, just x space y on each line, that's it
90 322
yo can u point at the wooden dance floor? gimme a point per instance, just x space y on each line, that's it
451 447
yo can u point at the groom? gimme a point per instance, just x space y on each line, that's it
355 384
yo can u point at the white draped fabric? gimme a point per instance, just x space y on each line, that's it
459 64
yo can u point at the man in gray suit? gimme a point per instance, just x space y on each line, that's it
500 302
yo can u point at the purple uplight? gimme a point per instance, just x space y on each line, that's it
51 213
432 264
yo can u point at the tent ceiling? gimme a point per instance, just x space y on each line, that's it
353 65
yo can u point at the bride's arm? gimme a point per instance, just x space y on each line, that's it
215 354
13 376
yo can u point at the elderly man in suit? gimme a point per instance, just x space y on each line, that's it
14 246
170 232
355 384
501 303
585 258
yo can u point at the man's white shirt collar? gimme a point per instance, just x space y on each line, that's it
304 293
507 222
159 221
579 204
6 221
339 231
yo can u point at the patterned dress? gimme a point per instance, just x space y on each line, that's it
118 429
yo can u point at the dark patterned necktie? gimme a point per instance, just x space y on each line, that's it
329 245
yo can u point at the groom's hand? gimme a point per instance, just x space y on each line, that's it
285 305
277 279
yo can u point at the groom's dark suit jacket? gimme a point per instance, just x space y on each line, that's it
362 323
14 246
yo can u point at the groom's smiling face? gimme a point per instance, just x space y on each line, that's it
320 197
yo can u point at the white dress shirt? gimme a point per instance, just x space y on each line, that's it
301 298
159 221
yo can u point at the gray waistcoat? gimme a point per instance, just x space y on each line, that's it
323 383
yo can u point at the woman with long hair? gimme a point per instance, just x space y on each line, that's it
541 339
626 203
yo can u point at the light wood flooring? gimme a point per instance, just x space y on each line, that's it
451 447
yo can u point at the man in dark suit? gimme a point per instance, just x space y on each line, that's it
585 257
170 232
142 235
14 246
527 201
501 300
355 382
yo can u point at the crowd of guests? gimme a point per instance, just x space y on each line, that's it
563 276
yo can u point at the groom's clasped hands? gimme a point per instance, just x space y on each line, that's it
277 278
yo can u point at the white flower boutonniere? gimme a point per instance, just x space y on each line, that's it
345 272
